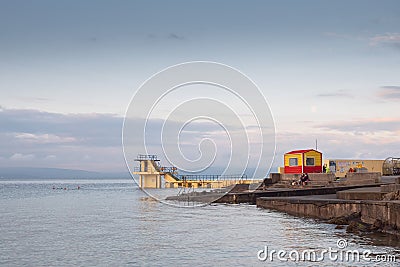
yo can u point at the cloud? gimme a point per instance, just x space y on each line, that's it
389 92
44 138
19 156
373 138
175 36
314 109
170 36
387 39
45 127
338 93
30 99
61 140
373 125
342 36
340 140
50 157
93 141
376 138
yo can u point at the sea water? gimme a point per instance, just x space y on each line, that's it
113 223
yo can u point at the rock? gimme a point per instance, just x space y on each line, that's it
344 220
339 227
378 225
357 227
354 216
339 221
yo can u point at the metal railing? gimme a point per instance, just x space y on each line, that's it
136 169
168 169
211 177
157 167
146 157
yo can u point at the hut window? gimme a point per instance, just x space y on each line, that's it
293 162
310 162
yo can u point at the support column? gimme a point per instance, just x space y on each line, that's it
159 181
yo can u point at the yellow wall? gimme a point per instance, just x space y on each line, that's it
289 156
343 165
169 178
316 155
147 166
149 181
209 184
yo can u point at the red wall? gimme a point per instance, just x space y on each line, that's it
293 169
307 169
312 169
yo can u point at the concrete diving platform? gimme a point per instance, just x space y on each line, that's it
151 174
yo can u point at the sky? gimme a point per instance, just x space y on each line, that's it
68 70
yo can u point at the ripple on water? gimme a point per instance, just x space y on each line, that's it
113 223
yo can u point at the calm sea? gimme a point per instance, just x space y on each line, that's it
112 223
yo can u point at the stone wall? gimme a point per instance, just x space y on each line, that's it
370 211
363 178
360 194
315 178
275 177
387 188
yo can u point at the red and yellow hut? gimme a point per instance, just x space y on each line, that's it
300 161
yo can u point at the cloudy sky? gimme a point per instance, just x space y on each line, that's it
68 69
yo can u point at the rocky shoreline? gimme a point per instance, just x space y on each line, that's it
354 224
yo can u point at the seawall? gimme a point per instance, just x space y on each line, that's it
384 213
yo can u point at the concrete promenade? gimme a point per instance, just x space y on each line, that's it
250 197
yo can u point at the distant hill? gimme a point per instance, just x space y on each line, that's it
56 173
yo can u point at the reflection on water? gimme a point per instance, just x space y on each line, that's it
379 239
148 199
112 222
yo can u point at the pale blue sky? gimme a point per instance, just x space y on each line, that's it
322 65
